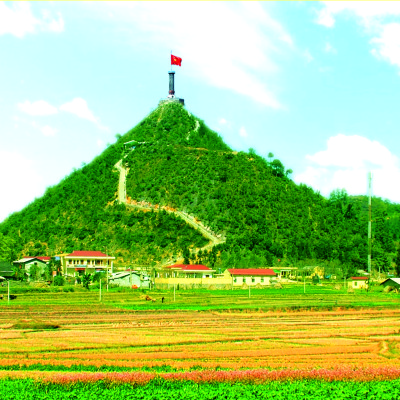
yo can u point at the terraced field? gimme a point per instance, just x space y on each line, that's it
205 336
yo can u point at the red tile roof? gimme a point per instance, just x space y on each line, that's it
252 271
41 258
78 253
188 267
44 258
359 278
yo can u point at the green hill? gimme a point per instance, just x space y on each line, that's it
179 174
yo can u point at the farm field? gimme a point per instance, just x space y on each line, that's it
211 337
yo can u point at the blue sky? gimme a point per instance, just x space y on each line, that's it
315 83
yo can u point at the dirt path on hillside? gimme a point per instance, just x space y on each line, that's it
189 219
122 181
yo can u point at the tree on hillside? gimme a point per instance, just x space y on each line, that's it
348 270
278 168
6 248
397 262
186 256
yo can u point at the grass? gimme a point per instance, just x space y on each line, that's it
290 297
35 325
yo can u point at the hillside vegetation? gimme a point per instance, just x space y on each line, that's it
174 160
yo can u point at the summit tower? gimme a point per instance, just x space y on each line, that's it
171 93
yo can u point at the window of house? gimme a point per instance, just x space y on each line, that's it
244 280
253 280
355 283
235 280
262 280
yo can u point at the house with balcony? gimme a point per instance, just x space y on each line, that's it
86 262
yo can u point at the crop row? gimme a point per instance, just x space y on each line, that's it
25 389
256 376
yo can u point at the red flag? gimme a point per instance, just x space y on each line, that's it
176 60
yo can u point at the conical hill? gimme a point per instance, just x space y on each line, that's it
188 195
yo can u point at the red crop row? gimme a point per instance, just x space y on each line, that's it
249 376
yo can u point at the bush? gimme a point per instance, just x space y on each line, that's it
59 280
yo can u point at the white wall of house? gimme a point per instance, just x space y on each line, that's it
358 284
251 280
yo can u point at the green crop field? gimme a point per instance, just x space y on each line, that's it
296 390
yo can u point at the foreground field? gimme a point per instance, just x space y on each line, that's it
116 334
63 338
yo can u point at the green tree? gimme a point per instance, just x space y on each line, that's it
397 262
6 246
59 280
34 272
278 168
19 273
186 256
86 279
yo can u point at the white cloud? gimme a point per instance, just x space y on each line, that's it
243 132
48 130
387 44
79 107
367 13
234 46
353 152
23 183
37 108
16 18
345 164
222 121
52 24
377 19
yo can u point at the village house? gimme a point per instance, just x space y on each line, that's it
86 262
250 276
187 276
392 282
28 262
359 282
132 279
285 273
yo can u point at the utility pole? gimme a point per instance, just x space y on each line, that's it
100 291
369 222
8 292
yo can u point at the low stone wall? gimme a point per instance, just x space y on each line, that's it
193 283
